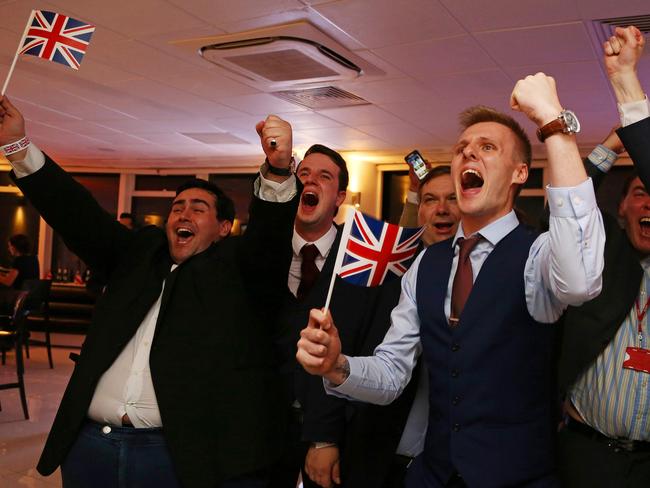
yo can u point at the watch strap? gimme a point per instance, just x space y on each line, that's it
553 127
279 171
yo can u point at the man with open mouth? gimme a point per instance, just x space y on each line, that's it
176 382
479 307
431 202
322 446
604 364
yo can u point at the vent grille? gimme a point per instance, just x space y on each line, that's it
284 65
604 28
321 98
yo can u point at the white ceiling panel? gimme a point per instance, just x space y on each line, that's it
389 91
561 44
310 120
423 60
599 9
480 87
382 22
360 115
261 104
587 75
132 18
499 14
408 136
221 12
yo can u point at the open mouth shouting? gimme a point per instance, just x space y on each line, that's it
184 235
443 227
644 224
471 181
309 200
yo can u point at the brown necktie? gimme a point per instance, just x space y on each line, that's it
464 279
308 270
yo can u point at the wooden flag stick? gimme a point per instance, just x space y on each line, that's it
20 46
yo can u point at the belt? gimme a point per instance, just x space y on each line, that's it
126 421
617 445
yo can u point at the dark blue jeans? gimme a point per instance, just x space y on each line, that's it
123 457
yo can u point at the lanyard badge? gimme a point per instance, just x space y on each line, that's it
638 358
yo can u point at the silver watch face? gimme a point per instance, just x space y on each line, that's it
571 121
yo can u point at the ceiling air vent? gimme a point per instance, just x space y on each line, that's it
281 61
321 98
603 29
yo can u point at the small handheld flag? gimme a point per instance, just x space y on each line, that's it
372 251
54 37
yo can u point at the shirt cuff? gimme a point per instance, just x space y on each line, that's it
603 158
574 201
34 160
632 112
272 191
350 385
412 197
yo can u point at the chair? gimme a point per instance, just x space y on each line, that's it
38 309
13 336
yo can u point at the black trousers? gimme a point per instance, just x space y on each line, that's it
588 462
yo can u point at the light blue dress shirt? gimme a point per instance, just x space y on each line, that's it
564 268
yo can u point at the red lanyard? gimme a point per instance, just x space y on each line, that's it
640 315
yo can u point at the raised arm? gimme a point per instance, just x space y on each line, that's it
622 53
88 230
565 264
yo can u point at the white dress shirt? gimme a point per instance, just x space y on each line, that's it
324 245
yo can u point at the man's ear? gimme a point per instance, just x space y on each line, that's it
621 209
340 198
225 226
520 176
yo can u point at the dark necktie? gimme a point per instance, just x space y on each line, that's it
464 279
308 270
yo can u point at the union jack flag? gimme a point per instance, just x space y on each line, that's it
375 251
57 38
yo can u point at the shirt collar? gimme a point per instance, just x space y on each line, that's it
324 243
645 264
494 231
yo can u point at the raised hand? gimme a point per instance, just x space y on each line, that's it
536 96
12 124
276 138
622 53
623 50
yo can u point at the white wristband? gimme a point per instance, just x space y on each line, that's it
15 147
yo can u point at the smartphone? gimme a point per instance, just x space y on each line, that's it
415 159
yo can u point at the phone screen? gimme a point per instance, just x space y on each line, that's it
415 159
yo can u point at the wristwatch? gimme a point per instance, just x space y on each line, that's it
566 122
279 171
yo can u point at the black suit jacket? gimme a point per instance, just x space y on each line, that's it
587 329
211 360
366 434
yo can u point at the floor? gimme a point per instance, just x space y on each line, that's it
21 441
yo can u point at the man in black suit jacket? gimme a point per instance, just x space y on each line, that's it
323 423
606 442
189 308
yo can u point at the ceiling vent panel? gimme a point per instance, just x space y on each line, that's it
282 57
321 98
